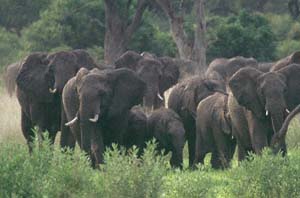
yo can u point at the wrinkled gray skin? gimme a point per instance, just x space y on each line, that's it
184 99
101 102
265 67
284 62
260 104
213 131
222 68
39 86
10 76
158 73
167 128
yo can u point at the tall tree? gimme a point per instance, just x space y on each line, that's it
122 18
294 8
195 49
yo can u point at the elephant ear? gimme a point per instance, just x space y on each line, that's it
34 78
170 73
79 76
243 85
291 74
128 90
128 60
84 59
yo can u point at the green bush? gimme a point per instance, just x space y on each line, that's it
129 176
248 35
267 176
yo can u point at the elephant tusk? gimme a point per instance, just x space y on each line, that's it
267 112
142 54
95 119
71 122
160 97
53 91
287 110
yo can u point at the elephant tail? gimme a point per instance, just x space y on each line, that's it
10 77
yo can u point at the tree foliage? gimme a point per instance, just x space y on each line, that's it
248 35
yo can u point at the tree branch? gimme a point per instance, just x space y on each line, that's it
141 6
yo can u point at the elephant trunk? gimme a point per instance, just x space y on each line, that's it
86 130
151 96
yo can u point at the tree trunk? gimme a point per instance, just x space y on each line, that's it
119 29
194 51
199 51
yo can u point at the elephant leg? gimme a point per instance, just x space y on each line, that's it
216 160
199 150
67 139
27 126
191 147
242 152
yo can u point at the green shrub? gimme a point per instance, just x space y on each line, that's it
286 47
267 176
126 175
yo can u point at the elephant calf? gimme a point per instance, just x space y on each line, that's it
213 131
166 126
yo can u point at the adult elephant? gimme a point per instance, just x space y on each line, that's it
39 86
184 99
158 73
292 58
97 105
213 131
259 104
10 76
223 68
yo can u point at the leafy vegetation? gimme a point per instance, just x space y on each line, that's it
49 172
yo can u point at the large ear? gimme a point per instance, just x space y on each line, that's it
34 79
291 74
243 85
79 76
84 59
128 90
170 73
128 60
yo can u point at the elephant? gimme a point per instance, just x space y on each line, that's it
166 127
292 58
136 130
265 67
10 76
40 81
213 131
159 73
223 68
259 104
184 99
97 105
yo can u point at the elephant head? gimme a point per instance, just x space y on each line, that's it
267 95
158 73
43 75
293 58
223 68
103 96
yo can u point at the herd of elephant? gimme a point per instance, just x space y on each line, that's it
238 102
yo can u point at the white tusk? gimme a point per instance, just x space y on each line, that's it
143 53
53 91
71 122
267 112
159 96
287 110
95 119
